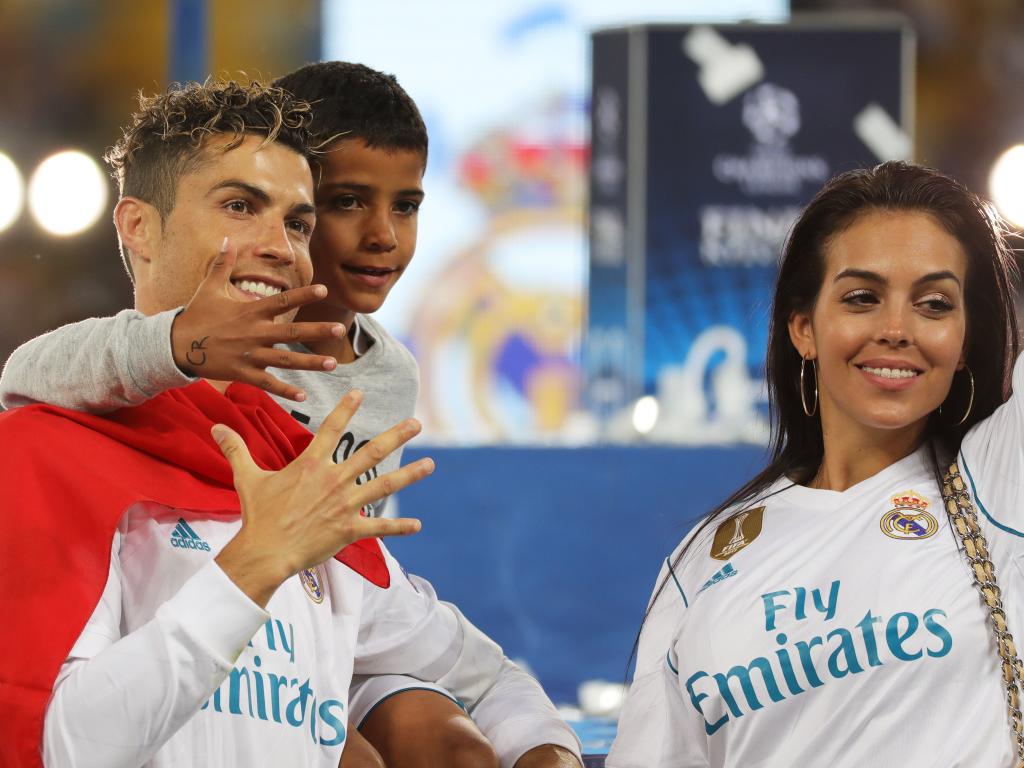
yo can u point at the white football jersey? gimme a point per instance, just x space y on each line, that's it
176 666
285 699
820 628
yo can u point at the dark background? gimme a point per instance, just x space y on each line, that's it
69 71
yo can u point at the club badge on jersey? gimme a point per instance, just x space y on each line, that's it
909 518
736 533
313 583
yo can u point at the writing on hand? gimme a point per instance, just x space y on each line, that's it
197 354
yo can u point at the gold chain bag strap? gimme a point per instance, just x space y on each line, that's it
965 522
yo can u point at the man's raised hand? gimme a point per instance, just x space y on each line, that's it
303 514
221 337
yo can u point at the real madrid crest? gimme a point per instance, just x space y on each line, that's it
909 518
313 582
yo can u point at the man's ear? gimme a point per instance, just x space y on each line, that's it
801 333
139 227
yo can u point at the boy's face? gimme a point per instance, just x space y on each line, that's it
260 198
367 202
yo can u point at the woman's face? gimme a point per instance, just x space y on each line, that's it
887 331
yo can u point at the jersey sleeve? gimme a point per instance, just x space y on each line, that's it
406 630
992 464
516 715
96 365
657 728
118 699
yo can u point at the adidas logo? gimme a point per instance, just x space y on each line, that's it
184 537
723 573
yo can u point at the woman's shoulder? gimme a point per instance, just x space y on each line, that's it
741 515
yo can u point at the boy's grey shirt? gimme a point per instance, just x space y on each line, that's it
102 364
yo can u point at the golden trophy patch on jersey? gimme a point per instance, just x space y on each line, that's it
909 518
736 533
312 582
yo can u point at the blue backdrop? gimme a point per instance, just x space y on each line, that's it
554 552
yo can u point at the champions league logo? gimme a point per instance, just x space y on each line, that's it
909 518
772 115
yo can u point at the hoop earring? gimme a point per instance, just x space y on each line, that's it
970 400
803 396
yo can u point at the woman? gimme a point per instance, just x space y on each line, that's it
825 614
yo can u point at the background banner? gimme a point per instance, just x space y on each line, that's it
707 141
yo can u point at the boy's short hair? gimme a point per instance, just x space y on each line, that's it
353 101
165 138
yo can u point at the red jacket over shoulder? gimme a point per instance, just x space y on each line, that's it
67 478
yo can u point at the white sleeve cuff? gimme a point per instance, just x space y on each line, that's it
150 356
212 610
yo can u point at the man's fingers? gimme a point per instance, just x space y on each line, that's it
234 450
332 427
284 333
220 269
270 384
392 482
375 527
284 358
371 454
287 300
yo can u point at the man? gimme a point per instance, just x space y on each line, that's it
180 625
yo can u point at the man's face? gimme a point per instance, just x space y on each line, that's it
368 200
260 198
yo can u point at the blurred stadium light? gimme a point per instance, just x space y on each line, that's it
12 192
67 193
1006 184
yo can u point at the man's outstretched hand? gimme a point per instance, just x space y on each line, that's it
303 514
221 337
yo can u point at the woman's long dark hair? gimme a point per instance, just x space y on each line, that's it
796 449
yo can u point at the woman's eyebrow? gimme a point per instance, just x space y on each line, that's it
865 274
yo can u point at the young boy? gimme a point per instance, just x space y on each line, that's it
369 176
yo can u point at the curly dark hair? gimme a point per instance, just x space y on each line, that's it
165 138
353 101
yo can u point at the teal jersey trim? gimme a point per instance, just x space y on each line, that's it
679 586
668 659
974 493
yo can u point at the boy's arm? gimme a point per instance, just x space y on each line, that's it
514 712
407 630
522 724
95 365
102 364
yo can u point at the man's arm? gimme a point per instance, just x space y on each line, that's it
117 706
407 630
102 364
